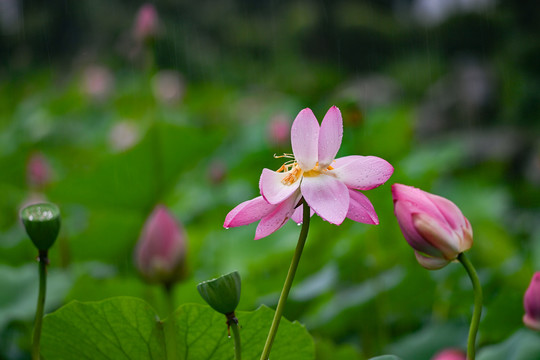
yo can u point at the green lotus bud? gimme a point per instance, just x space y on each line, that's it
42 224
223 293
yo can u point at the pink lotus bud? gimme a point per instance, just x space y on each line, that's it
146 23
434 226
38 171
531 301
279 130
161 250
450 354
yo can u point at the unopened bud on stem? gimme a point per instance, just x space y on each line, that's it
42 224
161 251
223 293
531 301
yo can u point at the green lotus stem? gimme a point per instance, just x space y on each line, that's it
169 297
236 335
170 324
477 312
288 282
36 336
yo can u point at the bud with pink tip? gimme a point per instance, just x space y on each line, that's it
433 226
531 301
450 354
146 23
38 171
161 250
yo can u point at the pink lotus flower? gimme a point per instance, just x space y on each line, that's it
146 23
161 250
450 354
328 185
434 226
531 301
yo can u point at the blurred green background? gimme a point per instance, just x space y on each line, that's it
447 91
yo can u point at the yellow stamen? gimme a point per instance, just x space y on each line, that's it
291 177
294 172
316 171
288 156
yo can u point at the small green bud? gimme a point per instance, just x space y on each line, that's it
223 293
42 224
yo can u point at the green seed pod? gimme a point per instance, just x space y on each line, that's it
223 293
42 224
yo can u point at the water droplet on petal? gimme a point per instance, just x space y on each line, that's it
226 228
299 224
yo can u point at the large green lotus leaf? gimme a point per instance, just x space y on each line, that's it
386 357
120 328
90 288
128 328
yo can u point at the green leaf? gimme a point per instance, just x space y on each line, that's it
128 328
386 357
120 328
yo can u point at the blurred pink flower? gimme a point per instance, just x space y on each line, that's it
531 301
217 171
98 82
38 171
146 23
433 226
450 354
161 250
168 87
328 185
123 135
279 130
